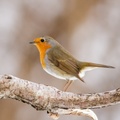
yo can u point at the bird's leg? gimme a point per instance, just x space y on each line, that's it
68 83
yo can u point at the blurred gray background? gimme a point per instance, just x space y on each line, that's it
89 29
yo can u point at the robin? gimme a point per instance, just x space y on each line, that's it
58 62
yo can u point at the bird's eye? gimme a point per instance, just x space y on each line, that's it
42 40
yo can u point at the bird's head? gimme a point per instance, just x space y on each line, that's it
44 43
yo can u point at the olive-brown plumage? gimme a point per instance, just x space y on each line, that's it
58 62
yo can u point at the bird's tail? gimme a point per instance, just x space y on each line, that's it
93 65
87 66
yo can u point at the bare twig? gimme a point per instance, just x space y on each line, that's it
56 102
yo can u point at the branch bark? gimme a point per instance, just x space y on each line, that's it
56 102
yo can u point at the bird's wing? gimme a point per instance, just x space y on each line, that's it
64 61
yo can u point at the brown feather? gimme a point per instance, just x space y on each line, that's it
67 63
89 64
64 61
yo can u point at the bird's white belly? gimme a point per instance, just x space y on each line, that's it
56 72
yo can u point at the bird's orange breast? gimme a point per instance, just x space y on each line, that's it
43 47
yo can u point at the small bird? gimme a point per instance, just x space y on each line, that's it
58 62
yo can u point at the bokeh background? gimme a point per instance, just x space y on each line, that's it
89 29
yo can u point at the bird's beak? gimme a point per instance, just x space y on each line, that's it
32 42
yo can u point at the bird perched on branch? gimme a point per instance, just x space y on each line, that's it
58 62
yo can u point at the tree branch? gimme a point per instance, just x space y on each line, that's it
56 102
